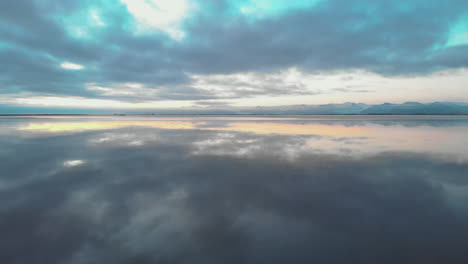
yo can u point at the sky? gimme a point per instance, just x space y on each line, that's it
158 54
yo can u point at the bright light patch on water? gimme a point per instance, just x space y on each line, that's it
73 163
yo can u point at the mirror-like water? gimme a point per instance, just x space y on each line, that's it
315 189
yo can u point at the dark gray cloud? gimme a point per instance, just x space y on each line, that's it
164 202
387 37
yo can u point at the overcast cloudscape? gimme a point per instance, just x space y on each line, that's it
150 54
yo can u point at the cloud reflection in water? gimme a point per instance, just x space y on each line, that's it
361 136
216 191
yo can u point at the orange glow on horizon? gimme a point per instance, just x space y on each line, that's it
89 126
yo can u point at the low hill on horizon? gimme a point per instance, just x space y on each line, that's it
408 108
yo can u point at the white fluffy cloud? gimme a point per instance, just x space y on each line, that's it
164 15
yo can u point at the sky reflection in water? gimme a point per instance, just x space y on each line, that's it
234 190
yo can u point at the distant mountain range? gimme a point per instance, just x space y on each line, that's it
418 108
408 108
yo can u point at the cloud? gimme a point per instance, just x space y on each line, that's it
123 42
71 66
386 37
163 15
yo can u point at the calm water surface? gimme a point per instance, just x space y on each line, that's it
316 189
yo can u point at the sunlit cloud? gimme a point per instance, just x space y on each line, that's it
90 103
294 86
163 15
250 89
71 66
137 90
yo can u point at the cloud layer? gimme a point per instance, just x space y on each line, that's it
53 47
